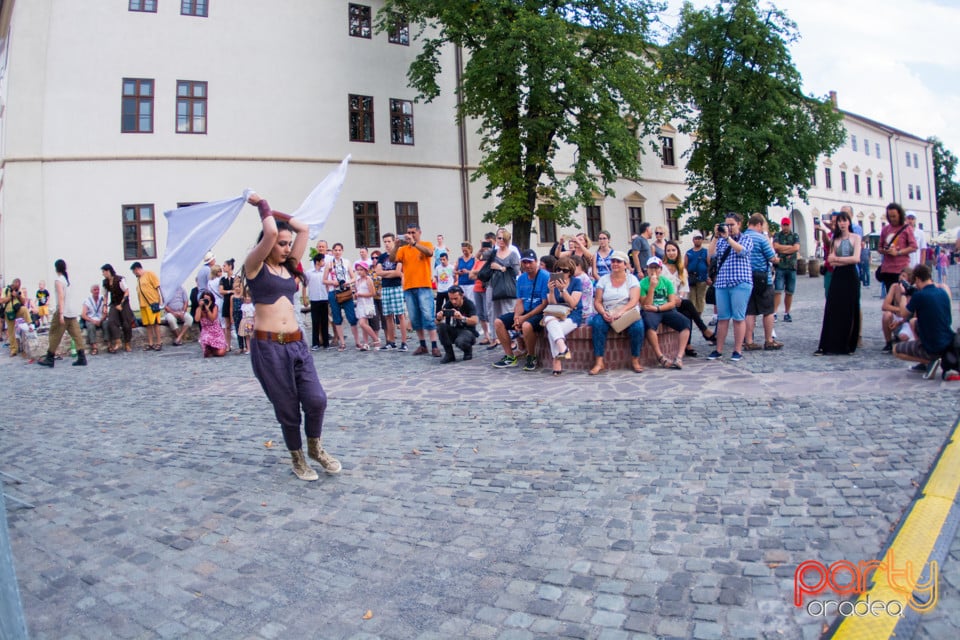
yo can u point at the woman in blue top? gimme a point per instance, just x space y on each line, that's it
604 251
564 289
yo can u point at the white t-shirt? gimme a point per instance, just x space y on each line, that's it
615 296
920 255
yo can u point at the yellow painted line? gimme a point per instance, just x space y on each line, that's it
913 544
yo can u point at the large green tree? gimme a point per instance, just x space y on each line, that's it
538 75
756 135
947 188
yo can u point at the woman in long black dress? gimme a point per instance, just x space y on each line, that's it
841 315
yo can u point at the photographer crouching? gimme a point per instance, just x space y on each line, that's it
457 325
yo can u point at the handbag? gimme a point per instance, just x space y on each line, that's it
558 311
155 307
344 295
711 295
485 273
504 285
623 323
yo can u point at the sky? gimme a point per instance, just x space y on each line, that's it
893 61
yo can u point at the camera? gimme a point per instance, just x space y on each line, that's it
341 284
556 276
908 289
721 229
448 313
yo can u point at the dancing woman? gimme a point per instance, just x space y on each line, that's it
279 355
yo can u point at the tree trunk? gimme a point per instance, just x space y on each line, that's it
521 233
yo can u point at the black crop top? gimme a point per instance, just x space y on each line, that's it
267 288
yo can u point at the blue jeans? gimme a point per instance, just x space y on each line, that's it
346 307
599 328
419 304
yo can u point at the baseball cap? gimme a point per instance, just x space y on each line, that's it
698 235
619 255
911 214
654 261
528 255
784 221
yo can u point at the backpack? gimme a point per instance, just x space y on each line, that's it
950 359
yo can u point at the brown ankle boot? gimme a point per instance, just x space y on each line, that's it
315 450
300 467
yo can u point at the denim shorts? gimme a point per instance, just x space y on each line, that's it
732 301
785 279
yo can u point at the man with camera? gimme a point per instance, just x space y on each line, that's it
931 306
415 259
457 325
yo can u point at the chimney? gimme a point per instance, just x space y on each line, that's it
833 99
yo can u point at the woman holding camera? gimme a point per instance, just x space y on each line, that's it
212 338
841 315
279 354
734 282
563 290
339 275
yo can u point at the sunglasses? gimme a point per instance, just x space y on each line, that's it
659 233
562 271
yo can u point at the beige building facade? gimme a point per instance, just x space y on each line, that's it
113 111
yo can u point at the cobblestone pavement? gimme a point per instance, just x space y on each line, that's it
474 503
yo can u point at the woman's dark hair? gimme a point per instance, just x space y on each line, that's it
901 216
290 264
61 268
109 267
231 262
837 217
735 216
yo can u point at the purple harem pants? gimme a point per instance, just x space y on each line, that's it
289 378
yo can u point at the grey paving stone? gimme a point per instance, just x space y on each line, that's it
521 501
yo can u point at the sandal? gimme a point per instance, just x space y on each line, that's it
177 343
93 351
342 347
158 347
677 364
149 347
664 362
636 366
690 352
111 349
565 354
596 369
558 372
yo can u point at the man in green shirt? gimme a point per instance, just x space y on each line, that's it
787 245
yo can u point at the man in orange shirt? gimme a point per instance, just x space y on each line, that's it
415 257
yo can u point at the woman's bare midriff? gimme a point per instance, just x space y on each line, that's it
278 317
